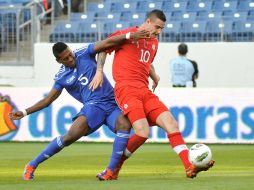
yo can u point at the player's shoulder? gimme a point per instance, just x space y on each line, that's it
81 50
60 72
154 40
85 51
131 29
125 30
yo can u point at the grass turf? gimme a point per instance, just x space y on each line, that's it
154 166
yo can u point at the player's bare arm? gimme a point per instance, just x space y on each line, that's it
98 77
120 39
53 95
154 77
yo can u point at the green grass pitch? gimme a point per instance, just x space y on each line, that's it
154 166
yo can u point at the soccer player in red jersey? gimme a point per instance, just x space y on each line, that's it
132 66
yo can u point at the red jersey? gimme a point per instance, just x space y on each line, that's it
132 60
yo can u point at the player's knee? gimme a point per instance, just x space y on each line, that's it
143 132
68 140
172 127
123 124
175 127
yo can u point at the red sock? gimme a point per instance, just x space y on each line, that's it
179 146
133 144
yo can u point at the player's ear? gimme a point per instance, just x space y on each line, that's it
148 20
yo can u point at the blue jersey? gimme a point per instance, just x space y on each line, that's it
181 70
76 80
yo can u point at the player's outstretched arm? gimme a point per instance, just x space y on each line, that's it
120 39
53 94
98 77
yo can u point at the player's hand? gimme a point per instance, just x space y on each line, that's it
139 34
97 80
16 115
155 82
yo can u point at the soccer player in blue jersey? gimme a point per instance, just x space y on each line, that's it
77 70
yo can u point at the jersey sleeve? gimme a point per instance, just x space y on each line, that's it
57 86
90 50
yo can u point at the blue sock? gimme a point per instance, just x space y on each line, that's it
54 147
119 146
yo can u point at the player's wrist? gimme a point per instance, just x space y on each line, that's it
24 112
99 70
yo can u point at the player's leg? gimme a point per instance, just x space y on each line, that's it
119 124
78 129
168 123
131 102
159 114
132 106
164 119
122 127
133 144
141 130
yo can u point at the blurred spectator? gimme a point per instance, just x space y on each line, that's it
183 71
76 6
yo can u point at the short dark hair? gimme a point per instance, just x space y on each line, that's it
156 13
58 48
182 49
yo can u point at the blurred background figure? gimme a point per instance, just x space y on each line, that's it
182 69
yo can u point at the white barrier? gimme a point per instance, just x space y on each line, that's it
204 115
221 64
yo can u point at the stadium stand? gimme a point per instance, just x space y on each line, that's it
171 32
242 31
22 23
188 20
191 20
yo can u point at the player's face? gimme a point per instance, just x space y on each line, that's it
155 26
67 58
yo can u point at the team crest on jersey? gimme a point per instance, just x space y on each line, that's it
125 106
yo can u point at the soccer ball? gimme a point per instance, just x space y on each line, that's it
200 155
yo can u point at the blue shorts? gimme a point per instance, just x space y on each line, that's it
98 114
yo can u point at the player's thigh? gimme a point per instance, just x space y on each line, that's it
78 129
128 99
141 127
153 107
95 117
116 121
166 121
